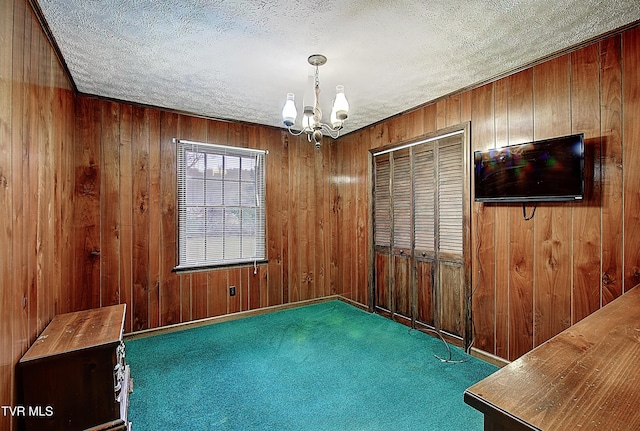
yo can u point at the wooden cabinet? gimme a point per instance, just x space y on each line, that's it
74 376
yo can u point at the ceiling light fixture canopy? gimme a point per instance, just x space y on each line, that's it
312 123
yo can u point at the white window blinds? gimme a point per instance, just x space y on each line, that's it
221 205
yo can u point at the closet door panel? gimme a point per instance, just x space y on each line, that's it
402 205
402 285
402 231
382 231
425 305
451 297
450 191
424 196
382 281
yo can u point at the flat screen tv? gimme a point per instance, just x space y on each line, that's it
541 171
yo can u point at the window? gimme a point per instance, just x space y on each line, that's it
221 205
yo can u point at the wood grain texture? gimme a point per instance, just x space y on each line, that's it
424 287
140 218
77 331
363 217
110 210
520 263
483 262
86 270
585 118
502 237
31 170
631 155
65 248
170 299
36 182
552 223
144 194
7 284
155 264
402 286
611 168
451 300
125 203
573 381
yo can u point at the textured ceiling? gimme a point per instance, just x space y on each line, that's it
238 59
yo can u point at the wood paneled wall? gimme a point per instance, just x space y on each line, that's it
531 279
36 143
124 224
87 203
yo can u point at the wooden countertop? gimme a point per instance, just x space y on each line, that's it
77 331
585 378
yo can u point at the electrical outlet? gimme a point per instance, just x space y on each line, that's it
232 291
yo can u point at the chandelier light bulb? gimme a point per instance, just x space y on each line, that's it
307 119
341 106
335 123
289 112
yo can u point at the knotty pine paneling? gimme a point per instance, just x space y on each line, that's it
532 279
36 189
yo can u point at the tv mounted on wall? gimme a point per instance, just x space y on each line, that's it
548 170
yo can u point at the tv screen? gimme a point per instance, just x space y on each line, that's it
546 170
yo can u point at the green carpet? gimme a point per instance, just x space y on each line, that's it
327 366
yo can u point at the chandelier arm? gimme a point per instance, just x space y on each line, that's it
330 130
294 133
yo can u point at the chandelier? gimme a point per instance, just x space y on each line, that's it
312 123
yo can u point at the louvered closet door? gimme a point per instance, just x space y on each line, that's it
424 196
418 233
382 230
450 261
402 232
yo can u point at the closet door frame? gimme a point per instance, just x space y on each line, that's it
465 130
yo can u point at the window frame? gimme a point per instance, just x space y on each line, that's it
191 259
